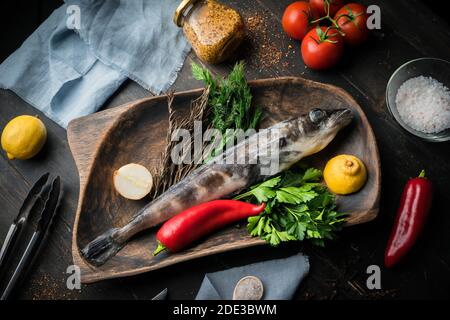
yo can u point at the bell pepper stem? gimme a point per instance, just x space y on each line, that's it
159 248
422 174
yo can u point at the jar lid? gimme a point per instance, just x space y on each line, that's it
179 12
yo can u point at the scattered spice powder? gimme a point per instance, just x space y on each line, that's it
46 287
265 52
263 43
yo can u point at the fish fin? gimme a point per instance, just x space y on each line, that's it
102 248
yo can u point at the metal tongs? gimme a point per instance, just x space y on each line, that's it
43 200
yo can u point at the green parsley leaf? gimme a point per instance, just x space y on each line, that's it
262 191
312 174
295 195
298 207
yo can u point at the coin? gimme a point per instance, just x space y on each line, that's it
248 288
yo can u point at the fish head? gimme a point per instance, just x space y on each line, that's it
309 133
325 122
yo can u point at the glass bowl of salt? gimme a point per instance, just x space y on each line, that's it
418 97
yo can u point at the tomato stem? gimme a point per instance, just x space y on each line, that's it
323 36
343 15
327 9
422 174
320 19
329 18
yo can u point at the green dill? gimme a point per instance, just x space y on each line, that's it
230 99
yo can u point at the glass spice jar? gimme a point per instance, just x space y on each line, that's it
214 30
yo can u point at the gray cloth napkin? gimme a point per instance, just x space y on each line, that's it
68 70
280 279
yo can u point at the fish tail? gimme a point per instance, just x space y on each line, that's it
102 248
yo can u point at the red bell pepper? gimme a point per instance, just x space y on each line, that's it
415 206
200 220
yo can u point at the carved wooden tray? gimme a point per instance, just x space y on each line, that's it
135 132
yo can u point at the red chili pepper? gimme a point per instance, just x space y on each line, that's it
198 221
414 208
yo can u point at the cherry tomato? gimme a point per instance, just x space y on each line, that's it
352 19
322 48
320 7
296 19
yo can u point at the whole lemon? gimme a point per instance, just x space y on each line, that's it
345 174
23 137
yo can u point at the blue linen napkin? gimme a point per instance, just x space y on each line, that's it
68 73
137 37
280 279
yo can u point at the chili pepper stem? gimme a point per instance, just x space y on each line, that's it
159 248
422 174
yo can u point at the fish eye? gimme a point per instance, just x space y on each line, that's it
316 115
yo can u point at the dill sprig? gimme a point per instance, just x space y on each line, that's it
230 99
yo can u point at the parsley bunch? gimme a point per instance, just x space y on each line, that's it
298 207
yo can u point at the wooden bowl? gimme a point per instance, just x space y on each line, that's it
103 142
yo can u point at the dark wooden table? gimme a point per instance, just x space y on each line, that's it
409 30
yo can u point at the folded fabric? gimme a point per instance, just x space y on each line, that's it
280 279
67 73
137 37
